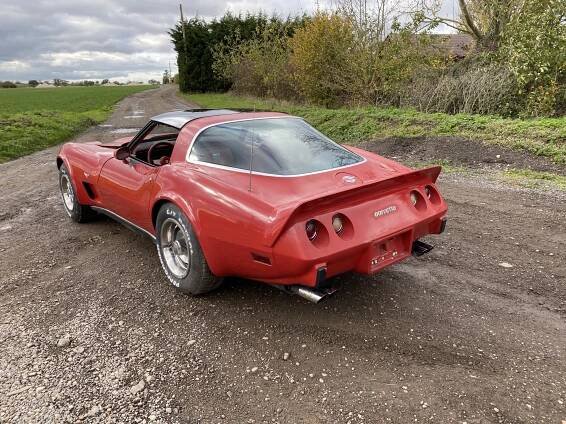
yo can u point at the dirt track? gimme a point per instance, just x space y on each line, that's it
449 337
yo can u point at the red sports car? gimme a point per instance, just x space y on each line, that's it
258 195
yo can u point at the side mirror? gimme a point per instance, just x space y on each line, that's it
122 153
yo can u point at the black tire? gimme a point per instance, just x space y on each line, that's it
76 211
176 241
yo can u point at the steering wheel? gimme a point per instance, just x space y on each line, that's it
159 143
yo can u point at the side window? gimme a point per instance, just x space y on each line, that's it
161 132
223 145
161 136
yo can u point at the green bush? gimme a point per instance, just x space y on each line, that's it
196 58
7 84
342 57
323 59
534 49
259 66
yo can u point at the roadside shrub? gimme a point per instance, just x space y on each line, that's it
534 50
259 66
195 57
489 89
399 60
7 84
323 59
336 62
344 57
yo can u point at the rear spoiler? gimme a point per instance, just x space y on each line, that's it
358 194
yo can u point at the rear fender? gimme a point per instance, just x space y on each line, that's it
187 208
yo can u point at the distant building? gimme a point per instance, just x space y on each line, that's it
45 84
456 46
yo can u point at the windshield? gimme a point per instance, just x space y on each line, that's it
281 146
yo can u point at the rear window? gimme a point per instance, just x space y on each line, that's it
281 146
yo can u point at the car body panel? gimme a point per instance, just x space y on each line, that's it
252 225
126 189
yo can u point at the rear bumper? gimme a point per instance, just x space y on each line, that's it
365 258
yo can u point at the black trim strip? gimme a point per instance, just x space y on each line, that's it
124 222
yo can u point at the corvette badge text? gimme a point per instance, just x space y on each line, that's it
385 211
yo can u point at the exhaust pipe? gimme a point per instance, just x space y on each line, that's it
314 296
420 248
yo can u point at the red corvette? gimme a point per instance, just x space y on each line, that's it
259 195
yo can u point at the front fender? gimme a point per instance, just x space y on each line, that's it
84 162
75 172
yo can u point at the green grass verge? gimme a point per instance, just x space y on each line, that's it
33 119
535 179
543 136
524 178
447 166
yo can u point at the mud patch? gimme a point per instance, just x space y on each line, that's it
460 152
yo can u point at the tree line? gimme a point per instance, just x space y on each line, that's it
372 53
57 82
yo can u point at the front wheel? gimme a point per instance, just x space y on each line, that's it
180 253
76 211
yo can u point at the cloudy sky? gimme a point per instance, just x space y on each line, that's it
117 39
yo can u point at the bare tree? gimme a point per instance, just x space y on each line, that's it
370 18
484 20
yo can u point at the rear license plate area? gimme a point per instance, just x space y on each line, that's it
389 250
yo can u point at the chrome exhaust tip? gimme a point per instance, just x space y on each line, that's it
314 296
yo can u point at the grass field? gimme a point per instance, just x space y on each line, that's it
32 119
543 137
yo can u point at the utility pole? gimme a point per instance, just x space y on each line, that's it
184 42
183 25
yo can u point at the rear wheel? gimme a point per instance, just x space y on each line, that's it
76 211
180 253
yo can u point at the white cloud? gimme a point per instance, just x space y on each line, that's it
151 41
82 58
13 66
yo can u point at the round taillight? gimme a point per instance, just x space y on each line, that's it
337 224
432 195
312 229
417 200
414 198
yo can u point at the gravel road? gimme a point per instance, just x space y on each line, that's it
90 329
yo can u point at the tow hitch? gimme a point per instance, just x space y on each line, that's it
420 248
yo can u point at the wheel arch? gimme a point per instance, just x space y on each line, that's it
155 210
182 204
80 190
